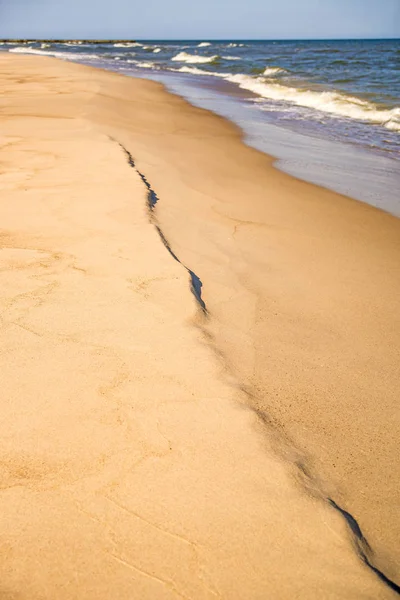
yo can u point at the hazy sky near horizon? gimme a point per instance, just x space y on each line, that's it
181 19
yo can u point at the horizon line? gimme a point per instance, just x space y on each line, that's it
211 39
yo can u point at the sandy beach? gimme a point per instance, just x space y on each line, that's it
199 359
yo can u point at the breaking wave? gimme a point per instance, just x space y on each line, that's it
192 70
143 64
272 71
193 58
127 45
55 53
330 102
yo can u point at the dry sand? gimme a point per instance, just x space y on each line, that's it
132 462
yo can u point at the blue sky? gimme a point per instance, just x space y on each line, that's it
200 19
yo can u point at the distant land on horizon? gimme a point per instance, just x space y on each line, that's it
62 41
129 40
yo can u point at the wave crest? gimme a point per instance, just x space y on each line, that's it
193 58
54 53
127 45
333 103
272 71
143 64
192 70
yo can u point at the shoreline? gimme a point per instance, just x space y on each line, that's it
351 161
341 167
173 146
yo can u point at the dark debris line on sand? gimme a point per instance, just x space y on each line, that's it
360 543
362 546
152 199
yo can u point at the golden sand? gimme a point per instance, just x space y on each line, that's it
133 463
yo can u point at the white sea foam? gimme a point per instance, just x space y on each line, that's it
193 58
55 53
143 64
192 70
127 44
394 122
204 44
231 58
272 71
329 102
30 50
156 50
197 71
27 49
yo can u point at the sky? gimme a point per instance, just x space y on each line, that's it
200 19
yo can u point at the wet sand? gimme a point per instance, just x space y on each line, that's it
139 337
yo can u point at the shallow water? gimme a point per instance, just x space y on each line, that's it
360 173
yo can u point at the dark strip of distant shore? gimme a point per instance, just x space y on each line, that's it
31 41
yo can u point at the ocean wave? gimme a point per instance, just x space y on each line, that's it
327 50
204 44
192 70
143 64
127 45
197 71
156 50
27 49
54 53
30 50
74 44
193 58
268 71
394 122
234 45
231 57
333 103
343 80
